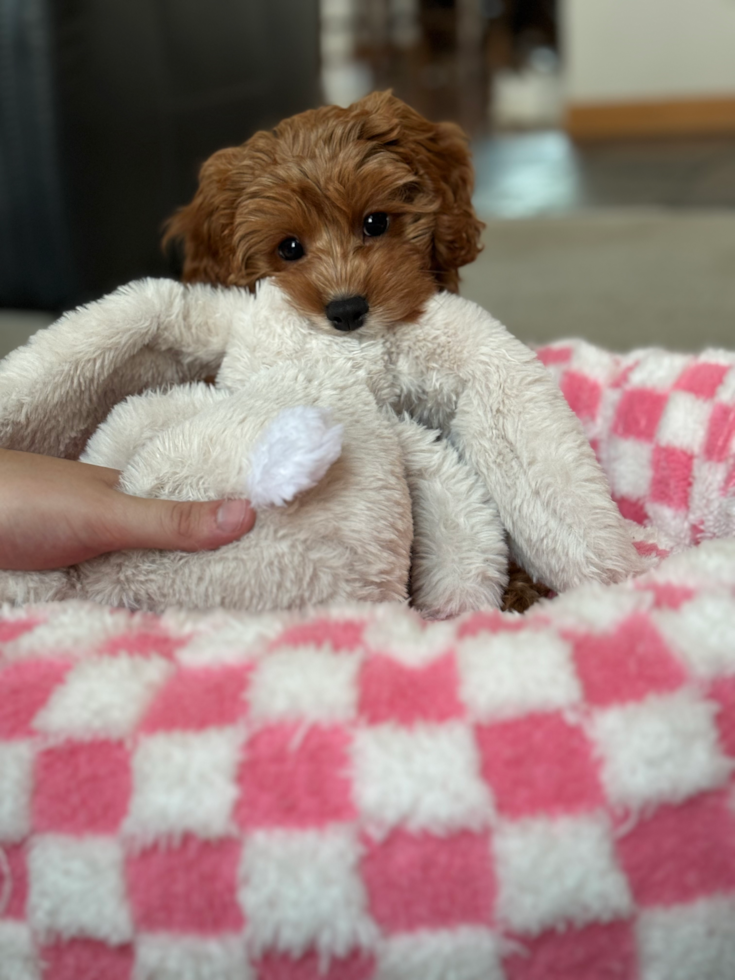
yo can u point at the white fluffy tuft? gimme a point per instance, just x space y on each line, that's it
292 455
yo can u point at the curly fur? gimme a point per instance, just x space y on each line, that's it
315 177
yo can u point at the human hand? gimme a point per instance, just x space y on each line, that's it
57 512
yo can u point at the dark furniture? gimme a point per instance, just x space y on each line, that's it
107 109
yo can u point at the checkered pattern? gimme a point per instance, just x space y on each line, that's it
663 427
359 795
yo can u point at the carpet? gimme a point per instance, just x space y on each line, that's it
619 278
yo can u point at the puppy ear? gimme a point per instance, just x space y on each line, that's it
205 225
438 153
457 229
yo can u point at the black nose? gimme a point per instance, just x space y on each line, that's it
347 314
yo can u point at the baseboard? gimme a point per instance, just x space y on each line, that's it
683 117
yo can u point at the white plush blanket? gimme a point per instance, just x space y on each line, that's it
354 793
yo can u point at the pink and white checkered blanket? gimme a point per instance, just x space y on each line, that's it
354 793
663 426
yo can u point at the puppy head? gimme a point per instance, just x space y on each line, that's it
359 214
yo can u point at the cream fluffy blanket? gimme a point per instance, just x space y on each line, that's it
355 793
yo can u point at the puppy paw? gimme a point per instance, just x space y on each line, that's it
293 453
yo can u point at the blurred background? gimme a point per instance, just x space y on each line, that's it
603 134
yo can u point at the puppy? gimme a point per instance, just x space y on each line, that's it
358 214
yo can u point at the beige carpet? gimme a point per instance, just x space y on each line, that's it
620 278
16 326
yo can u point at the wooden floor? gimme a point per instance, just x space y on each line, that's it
526 174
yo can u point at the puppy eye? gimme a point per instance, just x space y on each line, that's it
375 224
291 249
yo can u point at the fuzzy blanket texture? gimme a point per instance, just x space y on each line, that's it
354 793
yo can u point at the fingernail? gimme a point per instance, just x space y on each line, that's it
232 514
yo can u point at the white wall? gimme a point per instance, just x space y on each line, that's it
638 50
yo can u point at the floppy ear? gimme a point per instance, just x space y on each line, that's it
457 230
58 388
438 153
205 225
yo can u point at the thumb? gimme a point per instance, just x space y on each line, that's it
182 525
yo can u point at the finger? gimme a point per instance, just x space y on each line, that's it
103 473
35 468
182 525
